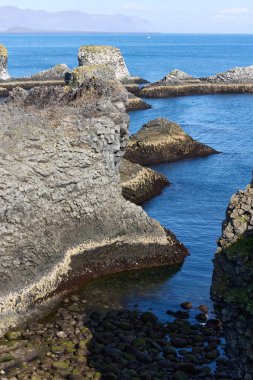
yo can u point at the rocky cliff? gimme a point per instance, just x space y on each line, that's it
63 217
3 63
232 289
90 55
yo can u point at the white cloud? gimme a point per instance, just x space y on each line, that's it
232 13
133 7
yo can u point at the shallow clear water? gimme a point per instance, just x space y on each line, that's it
194 205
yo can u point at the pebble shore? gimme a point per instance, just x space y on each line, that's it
74 343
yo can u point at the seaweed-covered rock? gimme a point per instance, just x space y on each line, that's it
136 104
3 63
91 55
160 141
139 184
179 83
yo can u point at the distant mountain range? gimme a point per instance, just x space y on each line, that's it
16 20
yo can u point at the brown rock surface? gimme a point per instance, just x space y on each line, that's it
160 141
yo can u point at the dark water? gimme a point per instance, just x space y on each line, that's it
194 205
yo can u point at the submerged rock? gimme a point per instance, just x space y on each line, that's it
160 141
232 282
139 184
3 63
63 217
56 72
90 55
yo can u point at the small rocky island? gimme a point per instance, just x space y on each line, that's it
160 141
232 290
179 83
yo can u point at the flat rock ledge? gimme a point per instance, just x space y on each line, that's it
160 141
232 282
64 220
3 63
179 83
140 184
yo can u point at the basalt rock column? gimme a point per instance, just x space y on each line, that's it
63 219
232 286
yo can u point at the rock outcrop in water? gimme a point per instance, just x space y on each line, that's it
160 141
232 290
63 217
56 72
139 184
91 55
3 63
177 77
235 75
178 83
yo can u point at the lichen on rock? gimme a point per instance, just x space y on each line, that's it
3 63
90 55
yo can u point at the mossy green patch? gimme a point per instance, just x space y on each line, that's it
243 248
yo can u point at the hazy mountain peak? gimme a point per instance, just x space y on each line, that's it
15 19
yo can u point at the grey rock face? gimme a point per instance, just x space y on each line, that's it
3 63
235 75
104 55
239 218
63 219
56 72
232 282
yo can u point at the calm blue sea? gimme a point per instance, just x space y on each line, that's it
194 205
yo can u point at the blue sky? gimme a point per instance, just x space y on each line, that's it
173 16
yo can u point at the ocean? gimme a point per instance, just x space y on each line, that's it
194 206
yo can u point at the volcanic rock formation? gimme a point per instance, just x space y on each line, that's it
3 63
178 83
139 184
232 289
63 217
56 72
91 55
160 141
